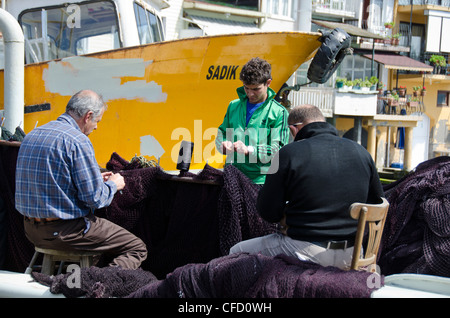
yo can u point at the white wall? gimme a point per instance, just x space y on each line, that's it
173 20
278 24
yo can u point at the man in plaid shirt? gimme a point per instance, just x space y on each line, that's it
59 185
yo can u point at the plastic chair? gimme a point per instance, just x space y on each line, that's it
375 216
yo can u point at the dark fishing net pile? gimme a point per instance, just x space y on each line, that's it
416 237
185 218
96 282
16 249
233 276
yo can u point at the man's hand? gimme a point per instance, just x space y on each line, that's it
240 147
227 147
106 175
118 179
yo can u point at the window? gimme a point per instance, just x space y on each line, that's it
417 38
285 8
301 75
279 7
375 17
275 6
149 26
443 98
355 66
70 29
241 4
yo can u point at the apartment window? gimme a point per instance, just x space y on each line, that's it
355 66
275 6
279 7
417 38
301 75
374 17
285 7
241 4
443 98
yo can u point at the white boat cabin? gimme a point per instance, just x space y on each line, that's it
56 29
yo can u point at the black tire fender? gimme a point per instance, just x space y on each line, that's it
335 45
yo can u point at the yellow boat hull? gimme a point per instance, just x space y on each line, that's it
162 93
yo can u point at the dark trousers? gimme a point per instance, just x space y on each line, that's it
92 234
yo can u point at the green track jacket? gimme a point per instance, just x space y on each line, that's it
267 131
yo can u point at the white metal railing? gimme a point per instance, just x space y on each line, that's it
338 5
444 3
322 97
329 4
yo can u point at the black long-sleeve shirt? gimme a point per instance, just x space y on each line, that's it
314 181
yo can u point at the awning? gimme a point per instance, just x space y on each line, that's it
213 26
350 29
399 62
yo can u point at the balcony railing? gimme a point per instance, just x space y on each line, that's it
329 4
444 3
332 101
349 8
321 97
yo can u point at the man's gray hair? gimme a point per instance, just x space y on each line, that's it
85 101
305 114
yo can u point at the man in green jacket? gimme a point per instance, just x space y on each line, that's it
255 125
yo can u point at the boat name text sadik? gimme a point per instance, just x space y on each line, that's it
222 72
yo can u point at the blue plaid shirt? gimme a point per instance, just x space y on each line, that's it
57 174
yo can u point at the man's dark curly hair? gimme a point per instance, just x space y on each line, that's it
256 71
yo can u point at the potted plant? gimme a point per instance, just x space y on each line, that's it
396 38
365 85
402 91
413 102
374 81
340 82
416 90
437 61
423 91
393 100
357 83
348 84
380 87
389 25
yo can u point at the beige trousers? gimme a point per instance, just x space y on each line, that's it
277 243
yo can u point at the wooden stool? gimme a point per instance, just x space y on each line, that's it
85 258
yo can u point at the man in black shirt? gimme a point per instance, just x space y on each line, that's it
310 186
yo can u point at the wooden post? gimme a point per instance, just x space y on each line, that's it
371 141
408 148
